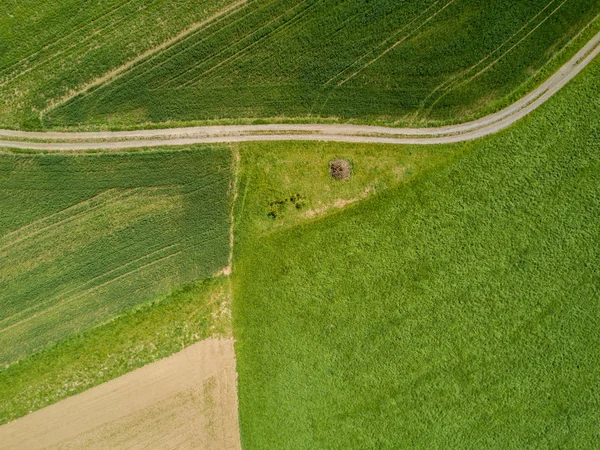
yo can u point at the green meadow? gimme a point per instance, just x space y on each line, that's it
456 309
85 237
417 62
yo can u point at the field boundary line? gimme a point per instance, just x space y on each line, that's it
114 196
191 46
86 284
98 197
75 296
236 164
196 78
8 70
209 57
82 207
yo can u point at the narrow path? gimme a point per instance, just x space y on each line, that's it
484 126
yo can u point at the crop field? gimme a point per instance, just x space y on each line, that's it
410 62
85 237
48 48
457 309
188 400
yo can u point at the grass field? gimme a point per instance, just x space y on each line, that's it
411 62
152 331
157 328
86 237
50 48
458 309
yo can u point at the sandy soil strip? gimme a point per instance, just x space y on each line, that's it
188 400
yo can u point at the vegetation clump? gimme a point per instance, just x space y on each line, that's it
276 207
340 169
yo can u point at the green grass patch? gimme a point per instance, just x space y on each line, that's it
283 184
85 237
152 331
456 310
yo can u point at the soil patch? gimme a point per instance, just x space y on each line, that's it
188 400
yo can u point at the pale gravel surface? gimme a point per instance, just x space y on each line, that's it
188 400
311 132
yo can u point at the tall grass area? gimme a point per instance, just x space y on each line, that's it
386 61
150 332
456 310
48 48
85 237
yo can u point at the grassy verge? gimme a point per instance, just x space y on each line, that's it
152 331
457 310
283 184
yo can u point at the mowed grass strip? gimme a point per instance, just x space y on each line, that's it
152 331
414 63
85 237
284 184
457 310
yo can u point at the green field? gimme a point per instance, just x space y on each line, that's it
458 309
159 326
85 237
445 296
412 62
48 48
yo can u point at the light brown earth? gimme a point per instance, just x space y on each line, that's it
185 401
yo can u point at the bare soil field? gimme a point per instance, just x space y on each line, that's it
188 400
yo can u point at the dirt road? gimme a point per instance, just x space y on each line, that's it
320 132
188 400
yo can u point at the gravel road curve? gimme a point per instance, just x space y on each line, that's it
314 132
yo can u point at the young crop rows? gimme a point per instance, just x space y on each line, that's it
426 60
85 238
